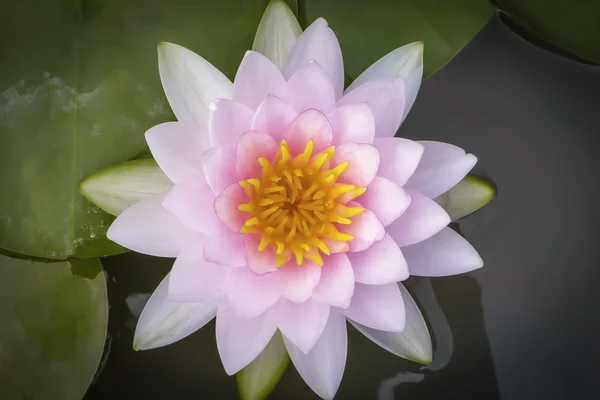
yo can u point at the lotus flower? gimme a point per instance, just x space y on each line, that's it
294 208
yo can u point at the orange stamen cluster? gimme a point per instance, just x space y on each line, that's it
297 203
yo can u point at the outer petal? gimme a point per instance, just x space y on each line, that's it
336 284
250 147
190 82
380 264
250 295
399 158
386 97
193 279
385 199
298 282
446 253
322 368
311 124
300 324
227 120
256 77
318 42
177 147
421 220
273 117
259 262
468 196
164 322
442 166
363 162
146 227
308 88
191 201
277 32
218 165
378 307
365 228
240 341
233 243
352 123
414 343
407 62
226 207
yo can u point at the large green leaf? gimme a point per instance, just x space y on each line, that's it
79 87
573 27
53 328
367 30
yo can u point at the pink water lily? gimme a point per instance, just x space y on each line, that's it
294 207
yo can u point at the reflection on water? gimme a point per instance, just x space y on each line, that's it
462 361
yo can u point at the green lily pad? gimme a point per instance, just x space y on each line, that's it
367 30
79 88
574 28
53 328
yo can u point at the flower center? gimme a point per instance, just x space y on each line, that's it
297 204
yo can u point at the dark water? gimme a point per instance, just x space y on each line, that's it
524 326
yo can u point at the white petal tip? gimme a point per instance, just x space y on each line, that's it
164 47
213 105
320 21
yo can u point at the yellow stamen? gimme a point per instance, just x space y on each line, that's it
296 203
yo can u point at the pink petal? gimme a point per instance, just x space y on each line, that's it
378 306
250 147
226 207
318 42
177 147
365 228
251 295
218 165
399 158
380 264
310 124
385 199
255 78
193 279
336 284
239 340
191 201
298 281
227 121
301 324
163 322
421 220
336 246
386 97
323 366
308 88
352 123
259 262
442 166
445 253
363 163
146 227
234 243
273 117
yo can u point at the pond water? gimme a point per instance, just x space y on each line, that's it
522 327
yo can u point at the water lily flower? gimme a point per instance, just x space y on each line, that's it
294 208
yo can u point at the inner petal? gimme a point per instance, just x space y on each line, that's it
296 205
